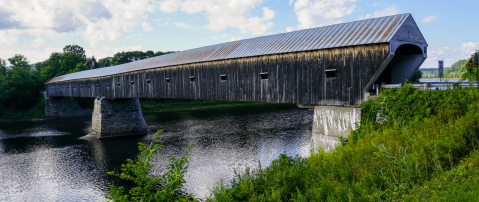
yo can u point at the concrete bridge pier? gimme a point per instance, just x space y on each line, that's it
117 117
331 122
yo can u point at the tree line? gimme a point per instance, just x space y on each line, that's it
21 84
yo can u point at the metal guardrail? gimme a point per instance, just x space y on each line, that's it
434 85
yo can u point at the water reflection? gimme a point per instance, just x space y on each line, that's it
45 161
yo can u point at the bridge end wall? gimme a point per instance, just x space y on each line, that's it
117 117
329 123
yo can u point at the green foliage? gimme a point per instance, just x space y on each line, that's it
425 135
3 67
19 61
33 110
162 188
19 88
459 184
131 56
75 49
105 62
417 75
457 71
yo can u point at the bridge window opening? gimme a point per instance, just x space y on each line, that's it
81 86
107 85
68 86
223 77
88 85
118 84
148 81
97 85
132 83
330 73
192 79
167 80
264 76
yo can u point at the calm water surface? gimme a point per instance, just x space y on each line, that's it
50 161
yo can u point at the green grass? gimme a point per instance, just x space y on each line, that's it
427 140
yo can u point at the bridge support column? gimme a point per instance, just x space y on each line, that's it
117 117
331 122
64 107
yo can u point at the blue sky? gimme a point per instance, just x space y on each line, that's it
37 28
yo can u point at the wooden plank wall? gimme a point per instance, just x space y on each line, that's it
292 78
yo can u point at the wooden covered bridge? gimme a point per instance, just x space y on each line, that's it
334 65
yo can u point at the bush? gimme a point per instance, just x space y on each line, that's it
162 188
425 134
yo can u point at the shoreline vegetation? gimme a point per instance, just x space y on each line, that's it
37 112
424 148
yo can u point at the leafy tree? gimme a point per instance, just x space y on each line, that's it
19 88
3 67
162 188
69 61
52 68
92 63
105 62
131 56
75 49
163 53
19 61
80 67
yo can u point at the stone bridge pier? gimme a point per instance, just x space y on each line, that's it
64 107
331 122
117 117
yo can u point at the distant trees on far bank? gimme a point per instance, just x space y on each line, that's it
21 84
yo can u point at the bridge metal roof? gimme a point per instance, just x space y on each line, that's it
369 31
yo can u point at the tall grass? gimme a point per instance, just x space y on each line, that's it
425 135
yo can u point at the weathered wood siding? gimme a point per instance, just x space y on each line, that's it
292 78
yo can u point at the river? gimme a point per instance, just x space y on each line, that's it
52 161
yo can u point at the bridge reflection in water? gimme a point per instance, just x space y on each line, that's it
50 161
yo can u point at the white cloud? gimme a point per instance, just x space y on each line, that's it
224 14
37 42
393 10
449 55
96 20
182 25
224 35
214 37
429 19
146 27
129 48
236 38
33 56
470 47
170 6
314 13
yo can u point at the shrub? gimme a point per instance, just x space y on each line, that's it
425 134
162 188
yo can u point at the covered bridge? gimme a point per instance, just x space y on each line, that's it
334 65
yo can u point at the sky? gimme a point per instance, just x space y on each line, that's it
37 28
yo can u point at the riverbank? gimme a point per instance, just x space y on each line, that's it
425 150
37 112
